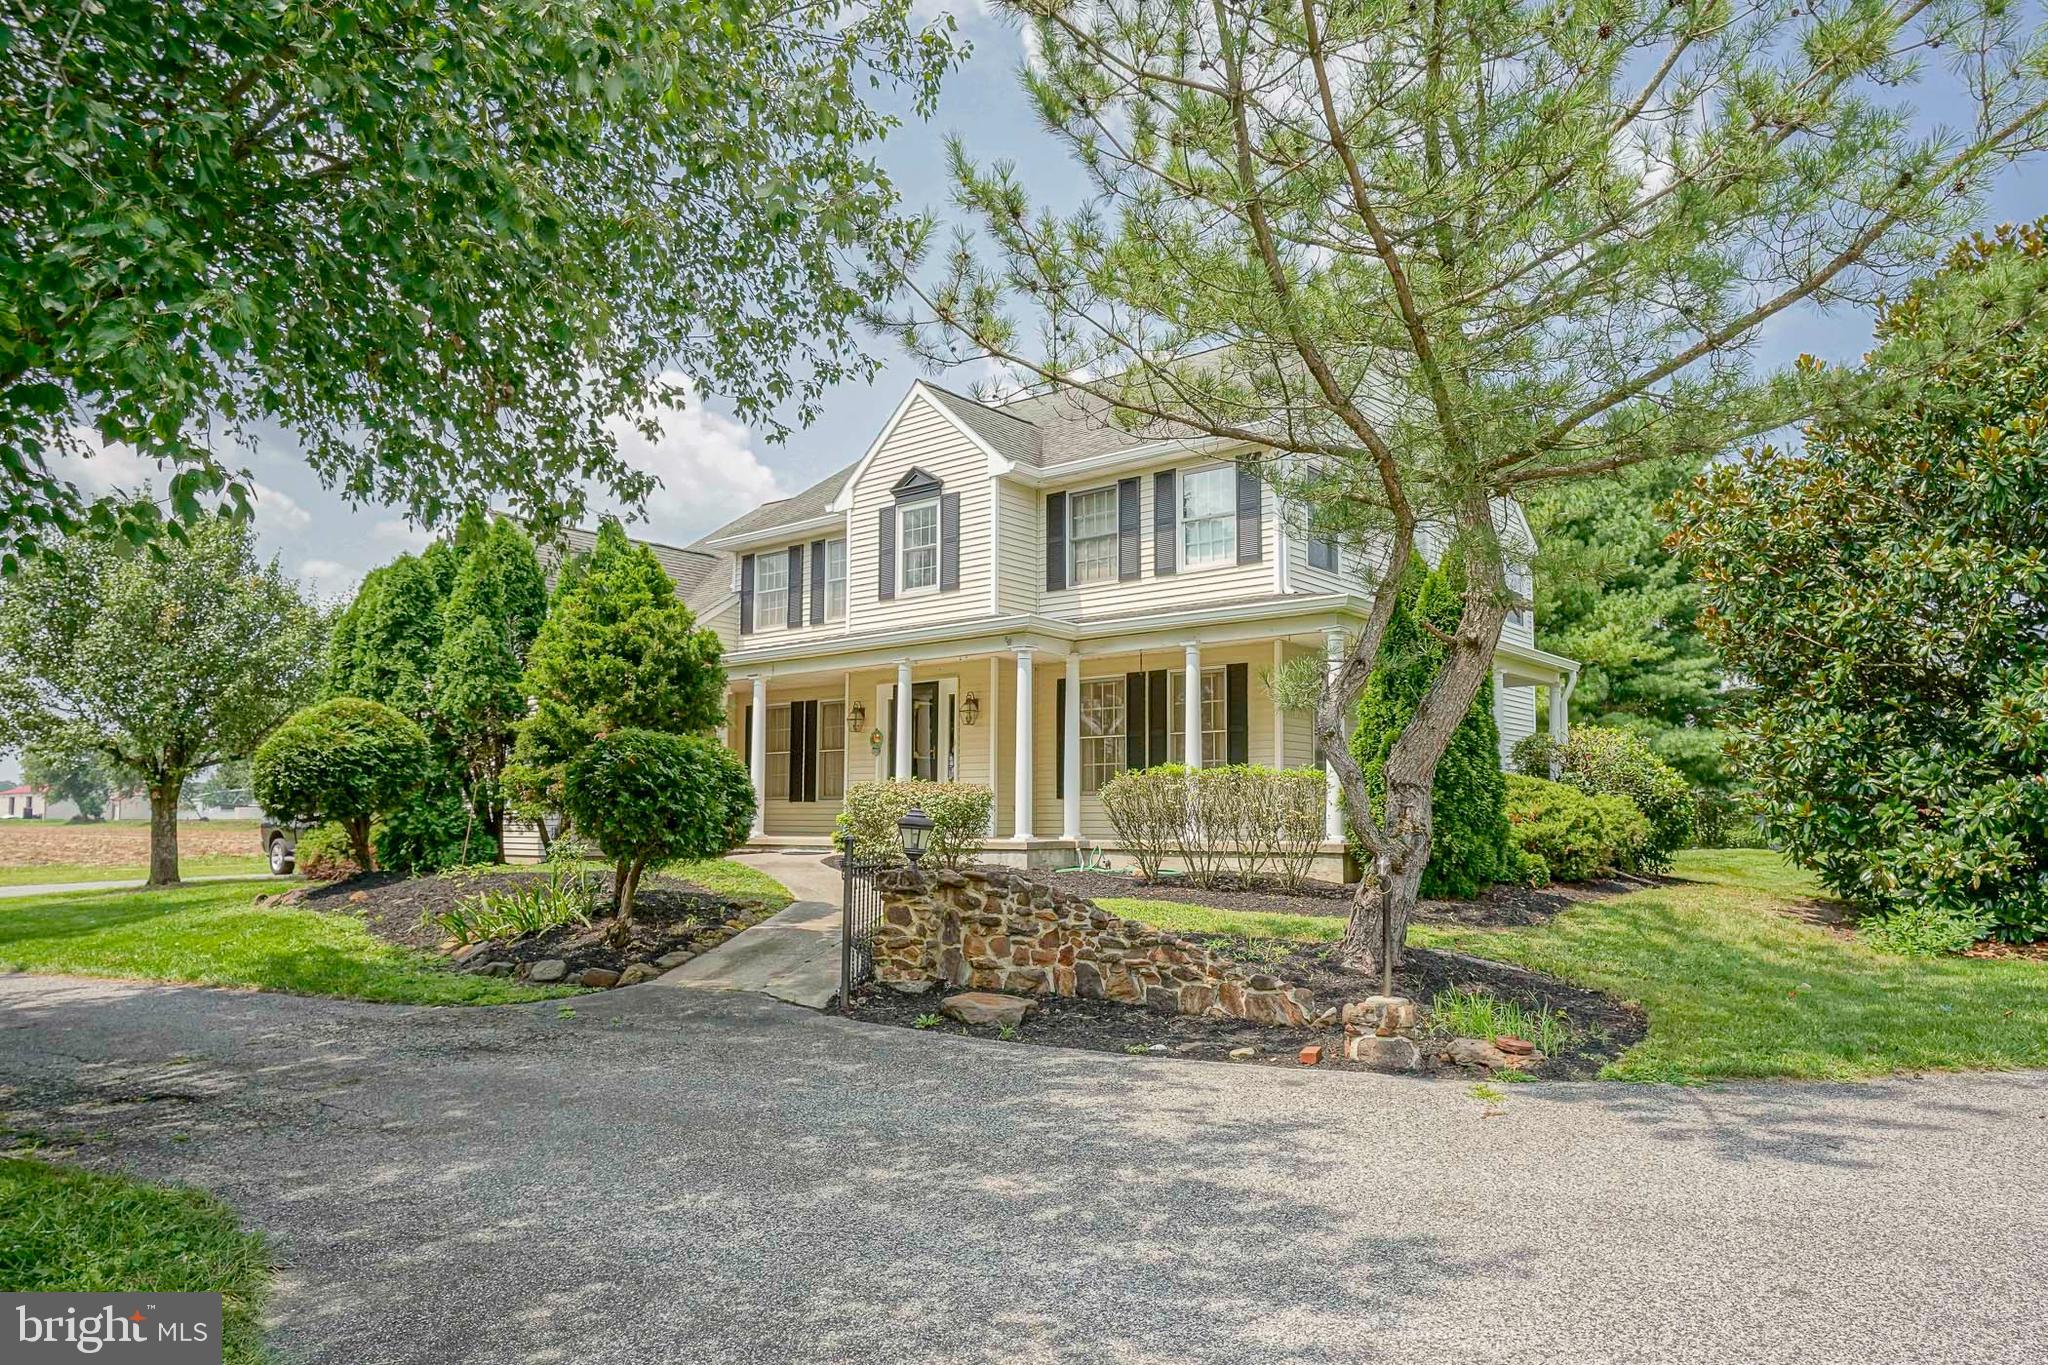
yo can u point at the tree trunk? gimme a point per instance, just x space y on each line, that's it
163 830
359 844
1387 893
625 883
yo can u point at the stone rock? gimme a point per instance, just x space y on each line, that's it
1515 1047
472 952
1312 1054
358 897
668 961
985 1008
601 978
1474 1052
638 972
547 969
1392 1054
495 969
1243 1052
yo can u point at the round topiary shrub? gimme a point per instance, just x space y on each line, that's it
345 760
1606 762
646 798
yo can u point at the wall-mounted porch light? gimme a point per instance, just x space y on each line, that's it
970 710
856 719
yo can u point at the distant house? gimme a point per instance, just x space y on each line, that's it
21 803
1132 590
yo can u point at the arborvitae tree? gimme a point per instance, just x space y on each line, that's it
488 624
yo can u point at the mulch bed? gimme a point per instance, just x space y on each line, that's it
1601 1028
669 915
1499 907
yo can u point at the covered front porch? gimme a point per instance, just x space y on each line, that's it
1044 715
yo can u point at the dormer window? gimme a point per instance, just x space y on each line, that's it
918 529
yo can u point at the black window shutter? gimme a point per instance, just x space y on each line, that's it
747 737
1059 736
1165 523
796 587
1237 712
1134 721
746 595
1055 542
949 542
885 555
796 751
890 728
1322 552
1155 721
817 582
1127 535
1250 499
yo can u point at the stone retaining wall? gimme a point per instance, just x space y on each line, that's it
995 929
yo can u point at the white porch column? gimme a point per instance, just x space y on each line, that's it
1279 716
757 757
995 746
1070 745
902 726
1025 698
1333 812
1191 709
1560 727
1500 690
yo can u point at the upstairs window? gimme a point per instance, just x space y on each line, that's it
771 588
918 530
1092 536
1208 516
835 580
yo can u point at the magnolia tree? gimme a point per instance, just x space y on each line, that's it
1414 258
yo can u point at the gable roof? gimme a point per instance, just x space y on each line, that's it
814 501
1011 435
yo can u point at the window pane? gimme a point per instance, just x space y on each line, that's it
1208 510
1215 713
920 535
1093 533
831 751
771 583
778 752
835 580
1102 732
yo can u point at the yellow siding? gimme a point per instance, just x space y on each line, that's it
926 439
1021 547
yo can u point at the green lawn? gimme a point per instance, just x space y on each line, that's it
724 878
1177 918
1734 987
79 1232
209 934
203 865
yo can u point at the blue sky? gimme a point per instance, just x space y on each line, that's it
712 467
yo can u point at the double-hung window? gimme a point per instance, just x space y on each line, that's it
835 580
1092 535
1104 716
1208 516
918 529
832 745
771 590
1215 716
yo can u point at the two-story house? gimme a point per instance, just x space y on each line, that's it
1030 598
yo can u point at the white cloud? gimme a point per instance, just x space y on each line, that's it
325 578
707 466
277 510
400 535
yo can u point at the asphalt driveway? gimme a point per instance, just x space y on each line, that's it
676 1176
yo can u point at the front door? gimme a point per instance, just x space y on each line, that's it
924 731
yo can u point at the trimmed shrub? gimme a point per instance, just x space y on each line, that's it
647 798
345 760
1255 821
1469 847
1576 836
322 854
960 811
432 834
1606 762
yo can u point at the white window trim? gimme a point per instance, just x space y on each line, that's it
1121 739
904 588
1074 542
1185 563
780 616
830 613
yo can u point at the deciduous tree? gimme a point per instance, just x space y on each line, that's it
1412 259
451 247
163 663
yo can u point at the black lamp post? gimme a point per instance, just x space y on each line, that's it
916 829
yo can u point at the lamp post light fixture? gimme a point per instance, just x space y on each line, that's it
970 710
916 830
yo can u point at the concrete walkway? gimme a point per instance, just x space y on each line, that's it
794 954
58 888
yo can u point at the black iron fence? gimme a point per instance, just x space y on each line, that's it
861 910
